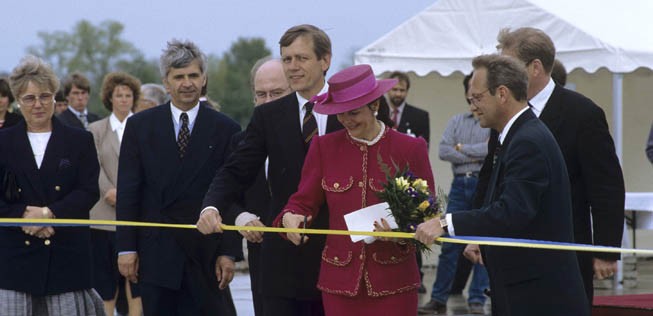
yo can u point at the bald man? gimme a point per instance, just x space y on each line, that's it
268 81
268 84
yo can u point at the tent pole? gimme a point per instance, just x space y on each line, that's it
617 124
617 113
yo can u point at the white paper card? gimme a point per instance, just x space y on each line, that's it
363 220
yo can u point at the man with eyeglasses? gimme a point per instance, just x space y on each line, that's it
77 89
527 198
581 130
464 144
268 83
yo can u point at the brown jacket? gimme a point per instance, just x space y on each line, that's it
108 149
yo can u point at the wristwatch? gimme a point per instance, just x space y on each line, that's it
444 224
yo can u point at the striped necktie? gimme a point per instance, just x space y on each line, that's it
84 120
309 125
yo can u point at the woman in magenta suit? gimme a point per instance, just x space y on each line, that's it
342 168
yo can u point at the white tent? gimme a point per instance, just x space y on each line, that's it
588 34
599 41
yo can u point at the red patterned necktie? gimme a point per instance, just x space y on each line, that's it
184 135
395 115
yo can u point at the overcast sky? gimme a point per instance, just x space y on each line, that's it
213 25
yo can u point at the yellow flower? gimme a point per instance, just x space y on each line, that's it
421 185
402 183
422 206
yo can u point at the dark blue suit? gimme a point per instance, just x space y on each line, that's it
528 197
67 183
155 185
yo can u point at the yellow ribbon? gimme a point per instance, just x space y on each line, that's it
89 222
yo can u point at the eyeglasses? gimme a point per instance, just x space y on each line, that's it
477 97
44 99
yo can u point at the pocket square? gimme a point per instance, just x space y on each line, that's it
64 163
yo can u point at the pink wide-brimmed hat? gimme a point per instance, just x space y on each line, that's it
350 89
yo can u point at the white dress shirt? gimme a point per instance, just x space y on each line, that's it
117 126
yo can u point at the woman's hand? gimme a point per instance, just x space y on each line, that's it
37 212
383 226
291 220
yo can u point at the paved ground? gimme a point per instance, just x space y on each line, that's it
457 306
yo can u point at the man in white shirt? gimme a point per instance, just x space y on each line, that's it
527 197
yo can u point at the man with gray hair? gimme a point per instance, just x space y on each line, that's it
527 198
152 94
168 157
581 130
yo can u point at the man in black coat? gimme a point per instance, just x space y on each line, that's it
527 197
77 89
581 130
289 275
268 84
168 156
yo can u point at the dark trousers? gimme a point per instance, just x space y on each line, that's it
587 273
282 306
194 297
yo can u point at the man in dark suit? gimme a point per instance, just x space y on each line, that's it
281 130
168 157
581 130
268 84
77 89
408 119
527 197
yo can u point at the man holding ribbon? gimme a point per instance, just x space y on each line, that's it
528 198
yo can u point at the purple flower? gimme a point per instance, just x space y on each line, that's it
410 175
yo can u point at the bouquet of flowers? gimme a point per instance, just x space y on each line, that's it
410 200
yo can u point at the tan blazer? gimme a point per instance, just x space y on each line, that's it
108 149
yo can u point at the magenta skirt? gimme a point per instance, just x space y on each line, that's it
361 305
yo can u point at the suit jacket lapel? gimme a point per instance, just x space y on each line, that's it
289 120
552 113
33 173
497 169
198 152
166 144
111 138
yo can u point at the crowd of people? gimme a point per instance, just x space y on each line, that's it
530 159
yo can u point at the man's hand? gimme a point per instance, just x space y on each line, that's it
428 231
603 268
110 197
252 236
473 254
128 266
224 271
209 222
291 220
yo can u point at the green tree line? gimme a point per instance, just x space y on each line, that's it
96 50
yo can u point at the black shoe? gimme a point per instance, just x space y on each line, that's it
421 289
476 308
432 307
